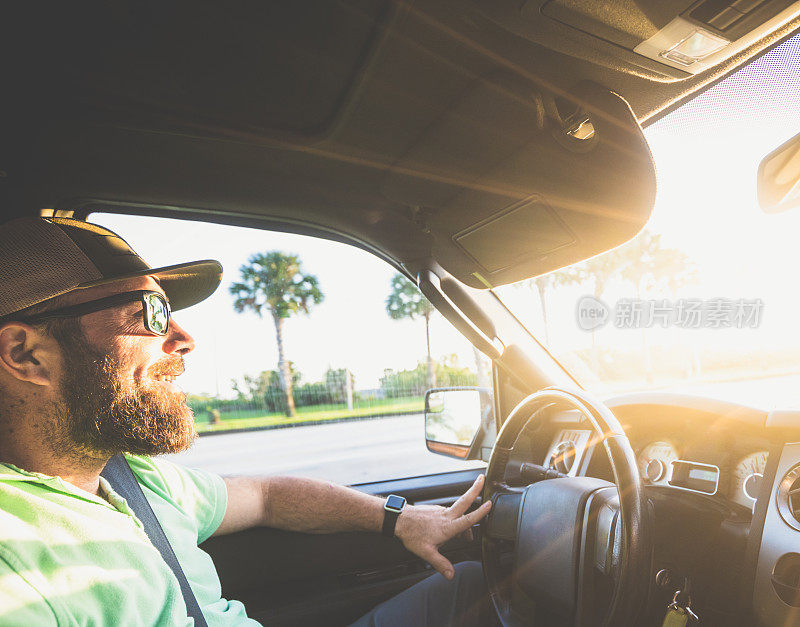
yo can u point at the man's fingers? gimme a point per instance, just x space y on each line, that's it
441 564
459 525
466 499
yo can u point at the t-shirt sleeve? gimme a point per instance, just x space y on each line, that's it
201 494
21 603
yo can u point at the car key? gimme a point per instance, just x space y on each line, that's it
679 615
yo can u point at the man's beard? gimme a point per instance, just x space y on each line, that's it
101 414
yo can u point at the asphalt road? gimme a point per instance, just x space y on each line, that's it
387 448
344 452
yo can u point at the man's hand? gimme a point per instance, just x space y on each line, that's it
423 529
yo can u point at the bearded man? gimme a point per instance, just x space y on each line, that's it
88 355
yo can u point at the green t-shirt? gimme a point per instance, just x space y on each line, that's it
68 557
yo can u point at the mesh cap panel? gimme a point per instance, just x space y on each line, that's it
39 261
45 257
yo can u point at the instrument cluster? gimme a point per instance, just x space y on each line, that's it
660 463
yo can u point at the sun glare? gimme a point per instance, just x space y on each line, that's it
703 300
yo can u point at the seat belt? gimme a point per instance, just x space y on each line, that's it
119 474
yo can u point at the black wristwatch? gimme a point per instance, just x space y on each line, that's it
391 511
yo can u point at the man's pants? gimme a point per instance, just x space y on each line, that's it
436 602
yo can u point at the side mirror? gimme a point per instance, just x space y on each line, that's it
458 420
779 178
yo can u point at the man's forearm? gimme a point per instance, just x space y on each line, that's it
315 506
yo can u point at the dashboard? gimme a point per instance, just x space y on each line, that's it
662 463
679 447
723 481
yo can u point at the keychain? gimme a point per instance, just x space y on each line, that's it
679 615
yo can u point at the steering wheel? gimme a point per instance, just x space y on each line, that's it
568 550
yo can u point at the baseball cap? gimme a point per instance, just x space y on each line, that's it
41 258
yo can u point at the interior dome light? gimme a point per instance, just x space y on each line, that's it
686 46
696 46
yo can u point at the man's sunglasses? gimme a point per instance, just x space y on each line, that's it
155 309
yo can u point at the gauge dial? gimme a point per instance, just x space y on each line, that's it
567 450
746 479
654 462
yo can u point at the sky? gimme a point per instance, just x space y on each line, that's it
706 153
349 329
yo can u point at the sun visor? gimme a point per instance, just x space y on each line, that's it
532 180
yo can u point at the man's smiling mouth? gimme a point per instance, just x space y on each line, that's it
168 369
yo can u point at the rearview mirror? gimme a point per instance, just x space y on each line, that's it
457 420
779 178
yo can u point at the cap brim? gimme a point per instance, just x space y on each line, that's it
185 284
189 283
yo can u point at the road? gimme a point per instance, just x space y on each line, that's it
385 448
344 452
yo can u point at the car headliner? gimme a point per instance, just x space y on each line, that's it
397 126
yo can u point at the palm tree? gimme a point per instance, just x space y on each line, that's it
598 270
644 261
482 367
274 283
602 269
406 301
542 283
650 265
546 282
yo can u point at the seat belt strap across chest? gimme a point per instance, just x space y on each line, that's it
119 474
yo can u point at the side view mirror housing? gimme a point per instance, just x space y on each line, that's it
459 421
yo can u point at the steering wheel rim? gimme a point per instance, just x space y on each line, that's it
633 570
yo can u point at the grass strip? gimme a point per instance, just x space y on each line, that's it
248 419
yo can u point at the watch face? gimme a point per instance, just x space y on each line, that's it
394 503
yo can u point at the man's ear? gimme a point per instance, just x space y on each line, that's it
27 354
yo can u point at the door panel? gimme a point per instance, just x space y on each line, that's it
289 578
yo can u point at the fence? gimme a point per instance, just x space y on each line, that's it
262 401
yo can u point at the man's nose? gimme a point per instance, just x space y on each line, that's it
178 340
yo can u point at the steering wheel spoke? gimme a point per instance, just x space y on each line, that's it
501 524
601 558
604 533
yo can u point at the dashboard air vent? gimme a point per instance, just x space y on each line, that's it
789 497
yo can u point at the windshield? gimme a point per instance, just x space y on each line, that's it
704 300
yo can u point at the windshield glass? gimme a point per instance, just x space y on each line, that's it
704 300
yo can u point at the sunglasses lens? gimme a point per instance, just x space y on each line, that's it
157 313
